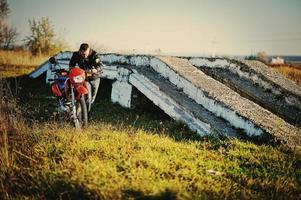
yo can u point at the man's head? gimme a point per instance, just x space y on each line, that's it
84 50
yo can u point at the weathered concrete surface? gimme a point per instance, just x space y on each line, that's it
214 124
234 104
274 77
152 91
121 88
122 93
258 83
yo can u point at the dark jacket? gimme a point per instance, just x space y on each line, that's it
91 62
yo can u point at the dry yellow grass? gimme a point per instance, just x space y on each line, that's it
21 58
291 72
15 63
14 137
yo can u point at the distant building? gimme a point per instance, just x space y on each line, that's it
277 61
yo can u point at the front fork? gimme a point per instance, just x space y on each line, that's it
75 119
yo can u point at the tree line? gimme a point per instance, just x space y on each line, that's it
41 39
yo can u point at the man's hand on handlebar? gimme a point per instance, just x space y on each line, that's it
94 71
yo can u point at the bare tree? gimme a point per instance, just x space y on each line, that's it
2 25
42 37
4 9
10 35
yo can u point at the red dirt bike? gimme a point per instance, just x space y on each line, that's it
72 92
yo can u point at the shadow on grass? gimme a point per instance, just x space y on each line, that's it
50 186
34 96
63 189
145 115
134 194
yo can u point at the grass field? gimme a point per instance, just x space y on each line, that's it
128 154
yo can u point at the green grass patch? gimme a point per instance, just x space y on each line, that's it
102 162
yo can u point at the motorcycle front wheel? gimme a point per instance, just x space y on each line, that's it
81 113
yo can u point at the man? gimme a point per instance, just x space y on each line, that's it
87 59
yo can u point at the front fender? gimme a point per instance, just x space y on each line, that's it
80 91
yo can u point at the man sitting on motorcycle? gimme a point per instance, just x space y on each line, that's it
87 59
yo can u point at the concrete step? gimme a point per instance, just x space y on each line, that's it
257 82
226 103
215 124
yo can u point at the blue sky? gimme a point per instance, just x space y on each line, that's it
174 26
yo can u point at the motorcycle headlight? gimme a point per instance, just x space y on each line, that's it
78 79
